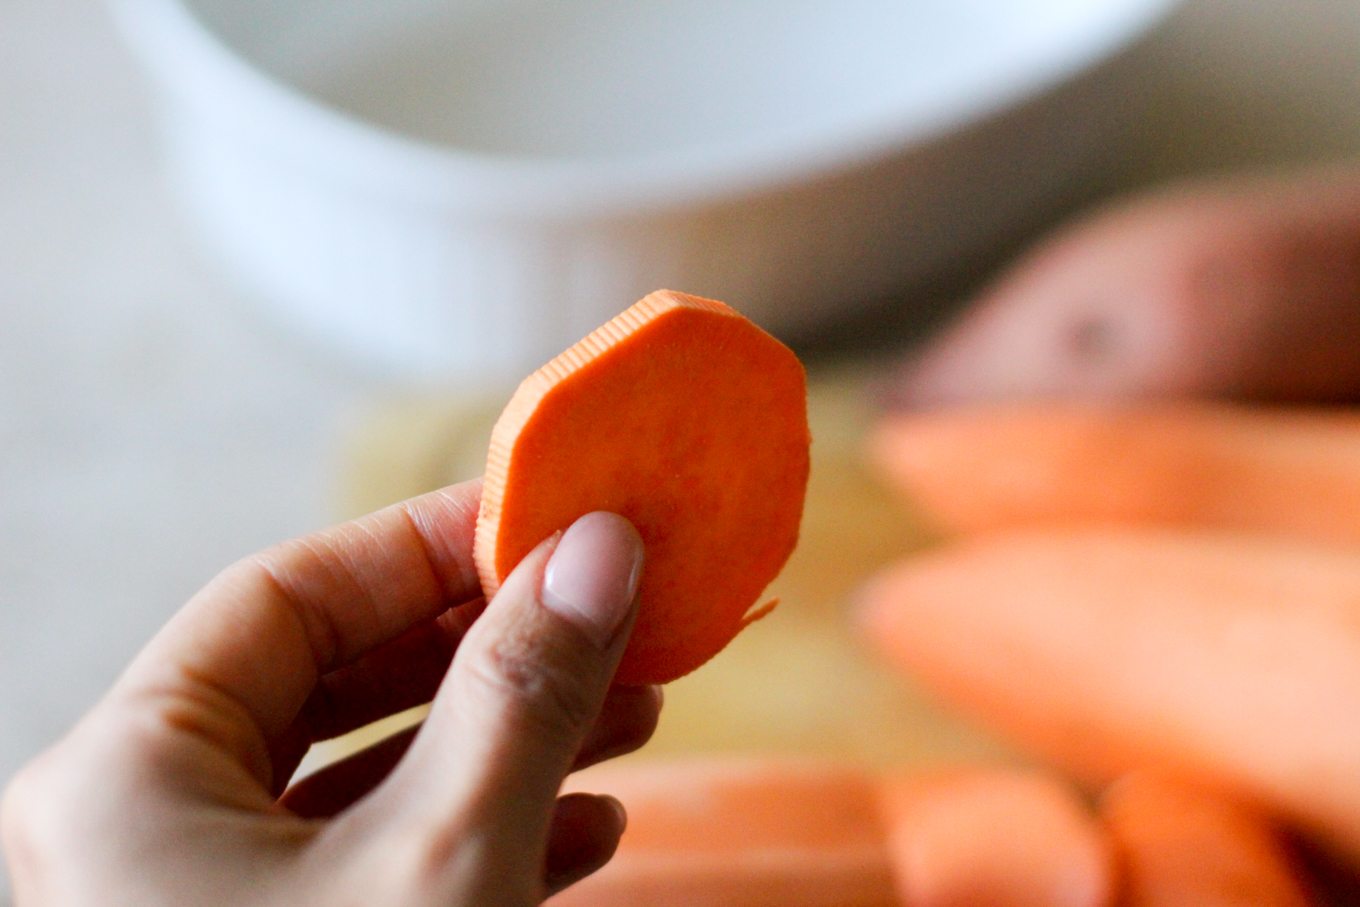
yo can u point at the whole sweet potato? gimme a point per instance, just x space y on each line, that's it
1245 287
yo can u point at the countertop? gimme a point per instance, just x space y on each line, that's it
152 429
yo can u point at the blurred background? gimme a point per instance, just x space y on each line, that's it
157 421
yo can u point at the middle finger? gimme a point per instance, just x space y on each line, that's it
626 722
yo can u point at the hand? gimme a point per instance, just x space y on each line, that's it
173 789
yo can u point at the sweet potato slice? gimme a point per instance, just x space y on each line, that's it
996 836
739 832
690 421
1293 472
1230 658
1180 843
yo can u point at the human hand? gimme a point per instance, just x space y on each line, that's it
173 789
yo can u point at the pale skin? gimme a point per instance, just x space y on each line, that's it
174 788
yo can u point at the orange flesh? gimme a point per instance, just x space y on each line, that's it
1179 845
1184 463
995 836
743 832
1226 657
691 422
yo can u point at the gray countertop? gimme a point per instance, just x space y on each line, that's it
151 430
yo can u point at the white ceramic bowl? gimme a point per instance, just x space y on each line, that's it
454 191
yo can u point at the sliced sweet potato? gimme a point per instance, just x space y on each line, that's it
1275 470
739 832
1001 837
1180 843
691 422
1235 659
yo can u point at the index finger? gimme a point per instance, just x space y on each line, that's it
239 660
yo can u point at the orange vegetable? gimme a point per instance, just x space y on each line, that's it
995 837
1180 844
690 421
1240 287
1232 658
1288 471
739 833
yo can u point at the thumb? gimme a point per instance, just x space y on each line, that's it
525 687
533 673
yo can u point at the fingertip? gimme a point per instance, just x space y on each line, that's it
654 699
620 814
627 721
583 837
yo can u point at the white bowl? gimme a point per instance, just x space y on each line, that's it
455 191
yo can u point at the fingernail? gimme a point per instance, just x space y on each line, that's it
619 812
593 573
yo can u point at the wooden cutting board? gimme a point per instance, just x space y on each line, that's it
798 681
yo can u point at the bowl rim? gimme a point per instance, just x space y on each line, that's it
189 62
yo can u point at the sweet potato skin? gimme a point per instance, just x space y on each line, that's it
1244 287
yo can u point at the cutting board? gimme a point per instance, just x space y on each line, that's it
799 681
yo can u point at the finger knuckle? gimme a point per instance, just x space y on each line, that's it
538 682
54 801
31 810
444 866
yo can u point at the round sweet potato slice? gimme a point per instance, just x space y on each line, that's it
690 421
